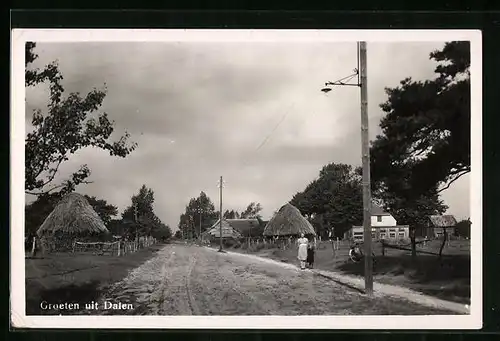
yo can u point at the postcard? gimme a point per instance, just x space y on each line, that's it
246 179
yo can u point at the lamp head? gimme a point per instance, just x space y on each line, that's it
326 90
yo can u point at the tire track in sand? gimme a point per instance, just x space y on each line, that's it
218 290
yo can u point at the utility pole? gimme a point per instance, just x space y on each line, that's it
361 74
135 219
220 213
199 234
365 151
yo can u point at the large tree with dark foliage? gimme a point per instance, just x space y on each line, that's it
333 201
426 128
425 142
140 219
105 211
252 211
198 209
462 228
69 124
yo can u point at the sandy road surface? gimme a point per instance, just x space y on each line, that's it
191 280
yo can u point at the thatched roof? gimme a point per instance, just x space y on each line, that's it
288 221
72 215
443 220
244 226
228 231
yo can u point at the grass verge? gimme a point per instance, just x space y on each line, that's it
76 278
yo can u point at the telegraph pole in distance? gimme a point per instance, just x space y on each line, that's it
199 234
365 151
220 213
135 219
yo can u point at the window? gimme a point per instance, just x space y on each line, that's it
392 230
392 235
358 233
379 218
382 236
373 235
401 234
402 229
382 230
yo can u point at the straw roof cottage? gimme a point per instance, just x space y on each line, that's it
72 218
288 221
228 231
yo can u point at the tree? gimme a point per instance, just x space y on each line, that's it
333 201
462 228
425 142
426 129
105 211
178 234
139 216
410 207
231 214
252 211
161 232
69 125
37 211
198 209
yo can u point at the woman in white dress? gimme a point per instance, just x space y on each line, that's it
302 255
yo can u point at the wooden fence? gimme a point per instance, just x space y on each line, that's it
118 248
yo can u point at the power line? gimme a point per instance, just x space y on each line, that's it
272 131
268 136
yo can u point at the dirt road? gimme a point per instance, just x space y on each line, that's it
192 280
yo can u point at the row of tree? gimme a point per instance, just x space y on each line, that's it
423 148
200 214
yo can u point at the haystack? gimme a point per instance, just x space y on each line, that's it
72 219
288 221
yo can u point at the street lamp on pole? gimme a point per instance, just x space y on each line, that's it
361 74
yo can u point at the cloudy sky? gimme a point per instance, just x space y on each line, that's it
201 110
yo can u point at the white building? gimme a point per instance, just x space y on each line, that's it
384 226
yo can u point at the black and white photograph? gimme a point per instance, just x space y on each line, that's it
246 179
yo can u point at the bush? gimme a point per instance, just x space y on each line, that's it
231 243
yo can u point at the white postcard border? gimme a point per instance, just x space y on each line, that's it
17 275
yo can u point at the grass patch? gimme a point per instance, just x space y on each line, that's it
76 278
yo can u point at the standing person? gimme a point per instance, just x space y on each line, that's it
311 249
302 254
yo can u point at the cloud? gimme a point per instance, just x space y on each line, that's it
201 110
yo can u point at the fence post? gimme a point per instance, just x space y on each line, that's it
74 245
33 248
119 249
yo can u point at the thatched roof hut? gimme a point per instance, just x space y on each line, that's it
228 231
73 217
288 221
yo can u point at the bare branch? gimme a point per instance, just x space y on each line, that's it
458 175
54 171
54 188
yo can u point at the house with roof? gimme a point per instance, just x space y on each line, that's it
441 224
384 226
236 228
